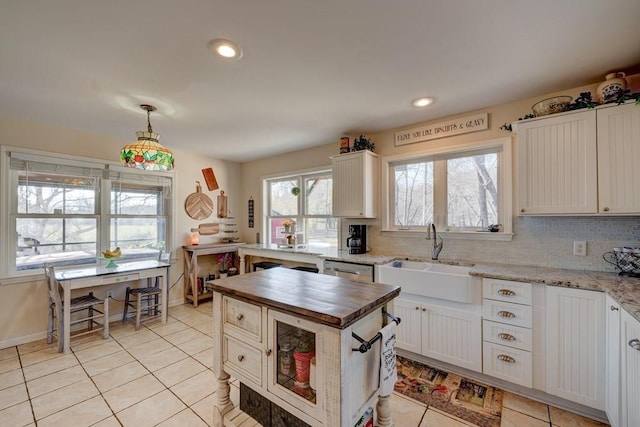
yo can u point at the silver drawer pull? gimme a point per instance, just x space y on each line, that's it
635 344
503 313
507 292
240 357
239 317
505 358
614 308
506 337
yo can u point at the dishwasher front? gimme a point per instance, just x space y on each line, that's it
349 270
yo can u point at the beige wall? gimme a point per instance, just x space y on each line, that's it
23 305
544 241
537 241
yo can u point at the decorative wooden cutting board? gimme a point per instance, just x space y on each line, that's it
198 205
207 229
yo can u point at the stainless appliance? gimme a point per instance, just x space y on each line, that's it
349 270
357 240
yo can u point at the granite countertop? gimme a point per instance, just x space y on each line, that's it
624 290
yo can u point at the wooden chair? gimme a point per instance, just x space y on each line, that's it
145 299
77 304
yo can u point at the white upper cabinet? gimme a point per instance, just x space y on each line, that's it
557 164
580 162
355 183
618 159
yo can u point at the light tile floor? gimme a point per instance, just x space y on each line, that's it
161 375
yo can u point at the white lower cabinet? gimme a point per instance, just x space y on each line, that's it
507 331
574 345
630 370
442 333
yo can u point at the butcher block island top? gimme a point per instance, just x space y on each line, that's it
329 300
291 338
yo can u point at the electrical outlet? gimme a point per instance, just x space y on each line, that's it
580 248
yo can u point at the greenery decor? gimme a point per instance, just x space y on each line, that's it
585 100
295 191
363 143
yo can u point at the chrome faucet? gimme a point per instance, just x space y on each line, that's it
437 245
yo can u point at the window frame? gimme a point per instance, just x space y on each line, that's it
301 215
107 170
503 146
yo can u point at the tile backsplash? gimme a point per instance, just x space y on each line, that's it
538 241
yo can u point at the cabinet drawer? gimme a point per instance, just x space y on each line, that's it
507 363
504 312
242 358
242 317
507 290
511 336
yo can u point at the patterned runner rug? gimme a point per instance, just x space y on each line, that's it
467 399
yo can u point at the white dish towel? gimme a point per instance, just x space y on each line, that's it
388 372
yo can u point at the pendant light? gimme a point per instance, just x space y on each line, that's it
147 153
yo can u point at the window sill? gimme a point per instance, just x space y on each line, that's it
456 235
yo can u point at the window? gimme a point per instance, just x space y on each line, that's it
66 210
459 190
306 201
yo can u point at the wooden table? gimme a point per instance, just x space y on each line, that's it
249 312
89 277
191 254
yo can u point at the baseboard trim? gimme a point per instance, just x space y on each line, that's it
25 339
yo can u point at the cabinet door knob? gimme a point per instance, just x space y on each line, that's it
268 352
522 210
240 357
614 308
503 313
606 209
417 308
240 317
506 337
505 358
507 292
424 309
635 344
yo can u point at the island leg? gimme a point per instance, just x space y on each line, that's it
223 403
383 408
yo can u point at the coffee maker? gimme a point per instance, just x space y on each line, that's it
357 240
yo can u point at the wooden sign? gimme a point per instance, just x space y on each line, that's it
442 130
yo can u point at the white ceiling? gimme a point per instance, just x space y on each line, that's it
312 70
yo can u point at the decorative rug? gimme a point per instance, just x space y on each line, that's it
467 399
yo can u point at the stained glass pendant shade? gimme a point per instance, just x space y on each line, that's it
147 153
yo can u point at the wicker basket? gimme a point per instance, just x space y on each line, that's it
626 262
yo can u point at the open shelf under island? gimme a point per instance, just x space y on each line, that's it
288 336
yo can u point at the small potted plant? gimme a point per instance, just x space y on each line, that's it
494 228
223 261
363 143
287 226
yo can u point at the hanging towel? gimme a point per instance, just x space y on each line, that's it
388 372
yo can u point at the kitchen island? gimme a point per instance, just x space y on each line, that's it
288 335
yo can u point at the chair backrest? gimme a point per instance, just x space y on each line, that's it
52 285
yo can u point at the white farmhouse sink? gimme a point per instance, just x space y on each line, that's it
444 281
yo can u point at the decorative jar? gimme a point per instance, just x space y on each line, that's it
609 89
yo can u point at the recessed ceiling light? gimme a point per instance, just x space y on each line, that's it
422 102
225 48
